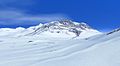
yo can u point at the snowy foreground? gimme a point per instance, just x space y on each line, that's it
97 50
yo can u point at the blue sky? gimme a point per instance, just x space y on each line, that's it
103 15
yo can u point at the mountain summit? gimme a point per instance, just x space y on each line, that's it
64 28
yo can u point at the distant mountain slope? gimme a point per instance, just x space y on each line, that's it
62 28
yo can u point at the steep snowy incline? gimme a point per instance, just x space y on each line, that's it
99 50
103 54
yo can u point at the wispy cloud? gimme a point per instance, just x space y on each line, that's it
9 17
14 3
11 14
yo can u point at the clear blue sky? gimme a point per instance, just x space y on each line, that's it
103 15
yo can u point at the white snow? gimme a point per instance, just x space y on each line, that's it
50 49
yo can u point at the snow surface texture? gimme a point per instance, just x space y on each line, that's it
36 47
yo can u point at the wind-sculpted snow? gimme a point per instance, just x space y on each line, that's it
98 50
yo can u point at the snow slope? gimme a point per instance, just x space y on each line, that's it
46 50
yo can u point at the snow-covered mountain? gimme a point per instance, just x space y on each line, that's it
65 28
41 46
62 28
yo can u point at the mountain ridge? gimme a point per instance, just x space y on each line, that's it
64 26
60 28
